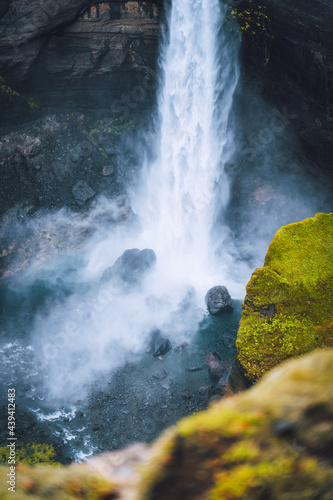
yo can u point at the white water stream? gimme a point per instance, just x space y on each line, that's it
186 184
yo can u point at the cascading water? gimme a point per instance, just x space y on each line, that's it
186 183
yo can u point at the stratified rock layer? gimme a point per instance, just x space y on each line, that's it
288 308
77 54
274 441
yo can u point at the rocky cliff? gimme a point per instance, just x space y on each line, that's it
74 75
78 54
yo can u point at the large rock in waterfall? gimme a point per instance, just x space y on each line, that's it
158 345
130 268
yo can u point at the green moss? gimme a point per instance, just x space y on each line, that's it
232 451
10 94
39 483
6 90
33 454
288 309
253 21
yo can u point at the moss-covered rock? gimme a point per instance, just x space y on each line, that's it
274 441
288 308
64 483
31 454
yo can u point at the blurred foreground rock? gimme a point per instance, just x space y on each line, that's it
274 441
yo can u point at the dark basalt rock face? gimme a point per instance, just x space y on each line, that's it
288 58
79 53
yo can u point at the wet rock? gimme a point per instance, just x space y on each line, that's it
160 374
299 72
82 193
218 299
194 368
130 268
181 347
238 381
43 40
159 345
76 153
284 427
215 367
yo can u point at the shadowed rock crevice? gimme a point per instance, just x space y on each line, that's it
62 53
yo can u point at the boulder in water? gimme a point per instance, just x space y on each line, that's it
130 268
218 299
215 368
159 345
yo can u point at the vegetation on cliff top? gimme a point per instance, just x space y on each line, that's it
288 308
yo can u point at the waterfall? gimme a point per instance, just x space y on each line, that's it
186 183
177 201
